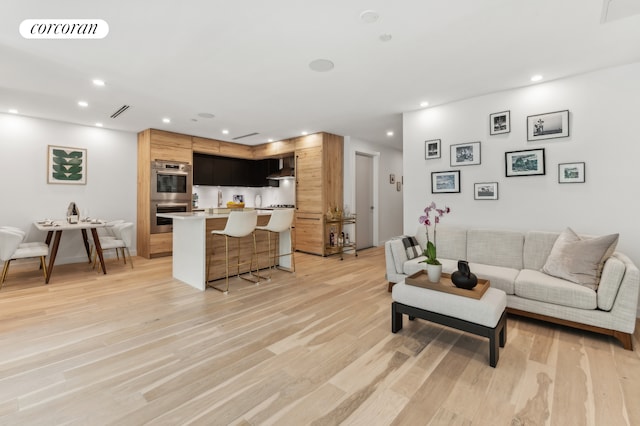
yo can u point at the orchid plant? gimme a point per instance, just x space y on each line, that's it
432 215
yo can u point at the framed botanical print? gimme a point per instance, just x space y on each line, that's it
66 165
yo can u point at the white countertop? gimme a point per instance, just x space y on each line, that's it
204 215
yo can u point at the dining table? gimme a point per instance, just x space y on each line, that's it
54 229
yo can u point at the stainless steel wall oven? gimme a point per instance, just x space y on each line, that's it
170 181
162 224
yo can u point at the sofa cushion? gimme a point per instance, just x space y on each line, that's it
411 247
537 246
499 277
612 275
399 254
536 285
495 247
579 260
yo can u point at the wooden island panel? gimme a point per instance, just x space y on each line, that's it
215 245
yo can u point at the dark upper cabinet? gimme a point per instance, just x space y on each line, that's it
224 171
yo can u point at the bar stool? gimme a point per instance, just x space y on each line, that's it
239 224
280 221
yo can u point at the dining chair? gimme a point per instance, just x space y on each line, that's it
122 240
12 248
104 233
280 221
240 224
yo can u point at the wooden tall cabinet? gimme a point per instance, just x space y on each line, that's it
156 145
319 187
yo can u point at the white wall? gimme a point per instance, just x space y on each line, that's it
604 115
110 191
389 200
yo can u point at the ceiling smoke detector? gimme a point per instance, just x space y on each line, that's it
321 65
369 16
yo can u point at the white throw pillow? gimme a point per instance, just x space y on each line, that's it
580 260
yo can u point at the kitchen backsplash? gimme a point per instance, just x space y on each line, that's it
284 194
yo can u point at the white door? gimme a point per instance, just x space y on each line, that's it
364 201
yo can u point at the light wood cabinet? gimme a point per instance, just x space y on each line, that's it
319 187
156 145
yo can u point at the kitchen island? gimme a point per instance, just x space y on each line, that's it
193 244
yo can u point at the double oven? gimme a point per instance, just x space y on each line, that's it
171 185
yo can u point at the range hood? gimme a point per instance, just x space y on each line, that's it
287 169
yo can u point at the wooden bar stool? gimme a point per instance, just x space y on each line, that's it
240 224
280 221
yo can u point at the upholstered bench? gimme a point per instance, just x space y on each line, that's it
484 317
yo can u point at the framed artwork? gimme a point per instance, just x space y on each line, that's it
485 191
524 163
548 126
392 179
465 154
66 165
432 149
444 182
398 186
500 122
571 173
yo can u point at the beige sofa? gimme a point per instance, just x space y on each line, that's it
513 262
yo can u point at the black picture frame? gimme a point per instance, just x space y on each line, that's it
571 172
500 122
528 162
432 149
465 154
445 182
485 191
550 125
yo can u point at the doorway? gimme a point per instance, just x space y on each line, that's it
364 201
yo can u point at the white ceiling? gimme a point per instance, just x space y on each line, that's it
246 61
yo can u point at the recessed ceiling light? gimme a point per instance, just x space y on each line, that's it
83 104
225 132
386 37
321 65
390 133
13 111
205 115
98 124
424 104
166 120
269 140
98 82
536 77
305 133
369 16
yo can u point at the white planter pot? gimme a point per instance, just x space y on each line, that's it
434 272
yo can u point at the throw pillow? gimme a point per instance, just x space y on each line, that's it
412 247
580 260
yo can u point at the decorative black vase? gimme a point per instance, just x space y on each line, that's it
463 277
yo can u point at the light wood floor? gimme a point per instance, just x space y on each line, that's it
136 347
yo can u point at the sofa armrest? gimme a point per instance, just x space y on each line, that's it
395 257
624 297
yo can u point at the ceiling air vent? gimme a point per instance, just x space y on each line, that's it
246 136
122 109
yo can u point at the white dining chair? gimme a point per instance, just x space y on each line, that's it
12 248
240 224
280 221
104 233
122 240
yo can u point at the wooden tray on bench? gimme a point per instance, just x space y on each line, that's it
420 279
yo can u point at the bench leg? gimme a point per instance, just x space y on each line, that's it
497 339
396 319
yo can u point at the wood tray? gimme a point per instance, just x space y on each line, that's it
420 279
